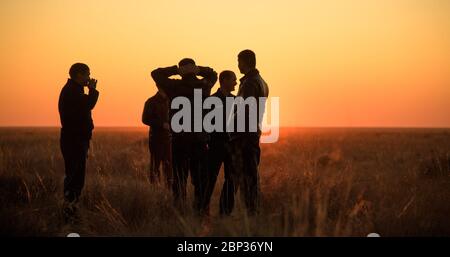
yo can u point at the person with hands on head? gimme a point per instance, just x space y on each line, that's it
189 148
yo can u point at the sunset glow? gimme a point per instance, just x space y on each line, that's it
332 63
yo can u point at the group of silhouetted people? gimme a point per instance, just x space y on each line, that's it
174 155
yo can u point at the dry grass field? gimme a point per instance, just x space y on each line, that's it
314 182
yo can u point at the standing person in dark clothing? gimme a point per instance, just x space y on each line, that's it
245 145
219 150
189 148
75 114
156 115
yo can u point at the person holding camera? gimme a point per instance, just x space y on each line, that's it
76 131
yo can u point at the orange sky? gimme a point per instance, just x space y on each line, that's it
332 63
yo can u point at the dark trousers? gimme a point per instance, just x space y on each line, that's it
219 152
156 163
200 176
190 156
180 165
74 152
245 159
160 150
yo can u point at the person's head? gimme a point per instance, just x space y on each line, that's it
227 80
187 67
79 72
246 61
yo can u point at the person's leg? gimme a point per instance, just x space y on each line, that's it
75 154
215 160
237 164
179 182
80 174
167 163
155 159
67 150
180 174
154 168
228 188
168 173
199 175
251 156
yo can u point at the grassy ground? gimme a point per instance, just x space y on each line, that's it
315 182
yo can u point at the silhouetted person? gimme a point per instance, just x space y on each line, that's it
189 148
219 149
77 125
246 150
156 115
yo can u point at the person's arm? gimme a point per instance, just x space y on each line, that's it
146 114
150 116
73 106
209 76
63 104
92 98
161 76
250 89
